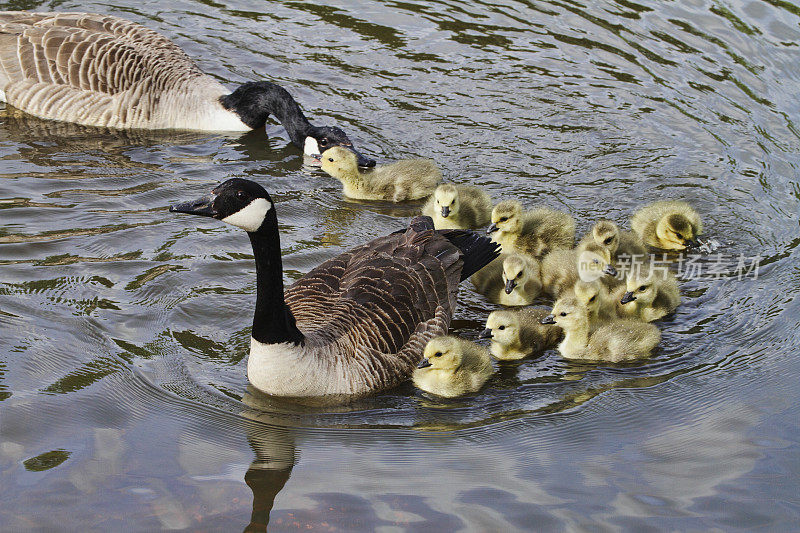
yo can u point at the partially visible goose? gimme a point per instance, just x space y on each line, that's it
357 323
99 70
651 293
458 207
536 232
620 243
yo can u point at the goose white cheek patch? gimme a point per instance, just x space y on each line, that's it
250 217
311 147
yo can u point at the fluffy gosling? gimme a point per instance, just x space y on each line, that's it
651 294
562 268
600 303
458 207
607 234
451 367
519 333
614 342
535 233
511 279
409 179
668 225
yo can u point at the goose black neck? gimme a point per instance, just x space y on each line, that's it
273 321
255 101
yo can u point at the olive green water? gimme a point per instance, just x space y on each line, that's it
124 329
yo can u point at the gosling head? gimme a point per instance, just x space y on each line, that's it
502 327
441 353
516 272
506 217
567 313
676 232
446 199
339 162
606 234
320 138
589 295
641 287
240 202
594 262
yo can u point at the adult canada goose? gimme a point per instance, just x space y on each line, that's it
536 232
458 207
669 225
651 294
562 268
99 70
614 341
620 243
518 333
408 179
357 323
511 279
452 367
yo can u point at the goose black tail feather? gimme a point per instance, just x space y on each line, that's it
478 250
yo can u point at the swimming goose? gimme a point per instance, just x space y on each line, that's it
562 268
458 207
511 279
614 341
535 232
668 224
518 333
409 179
651 294
451 367
357 323
100 70
620 243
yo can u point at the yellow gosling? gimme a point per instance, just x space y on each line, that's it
651 294
535 233
410 179
451 367
458 207
668 225
518 333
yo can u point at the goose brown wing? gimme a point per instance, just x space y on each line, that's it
381 302
68 66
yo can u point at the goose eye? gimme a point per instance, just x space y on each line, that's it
607 241
642 288
323 141
595 261
501 328
592 298
330 159
562 313
679 235
241 195
437 354
518 275
503 219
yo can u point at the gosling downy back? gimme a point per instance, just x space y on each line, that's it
518 333
614 341
536 232
458 207
357 323
451 367
650 294
409 179
100 70
668 225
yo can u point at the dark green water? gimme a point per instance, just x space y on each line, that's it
124 329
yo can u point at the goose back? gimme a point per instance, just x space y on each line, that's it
367 314
100 70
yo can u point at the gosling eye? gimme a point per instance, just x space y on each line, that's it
679 235
501 328
642 288
607 241
437 354
595 261
452 202
592 298
503 219
518 275
330 159
562 313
